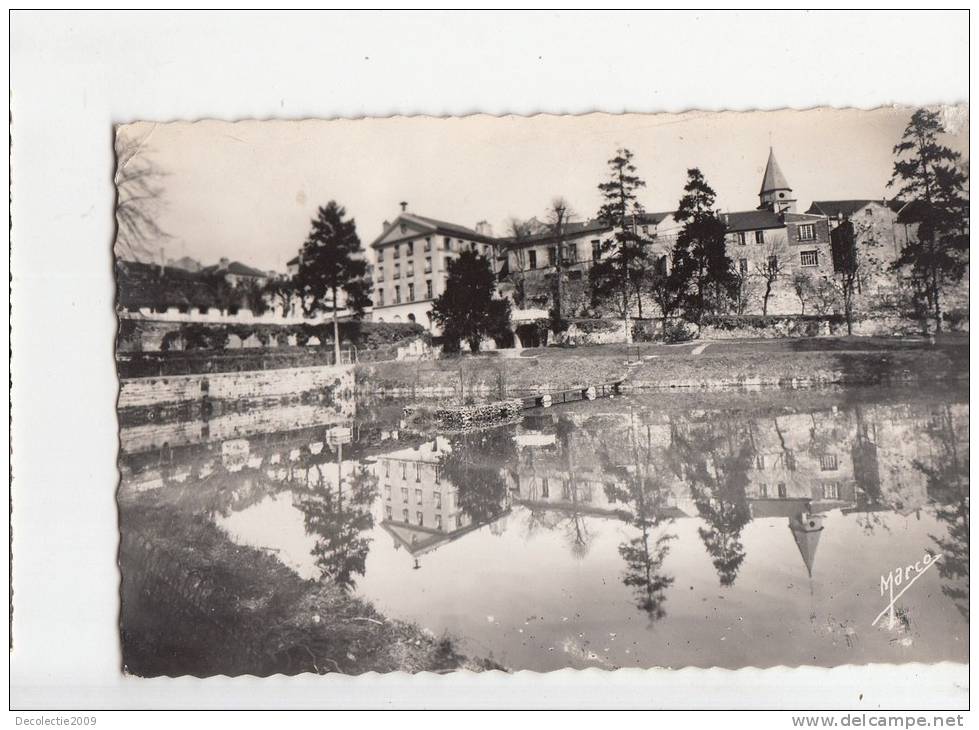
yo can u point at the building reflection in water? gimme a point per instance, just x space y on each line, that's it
622 461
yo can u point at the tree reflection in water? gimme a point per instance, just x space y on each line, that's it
339 517
475 467
714 460
947 482
643 486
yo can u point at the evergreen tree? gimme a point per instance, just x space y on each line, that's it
701 267
467 309
332 262
623 259
931 182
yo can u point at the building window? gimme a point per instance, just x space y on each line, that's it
438 477
418 496
545 490
380 273
411 248
662 266
763 490
438 499
743 266
782 492
447 244
868 212
397 295
809 258
827 462
458 521
551 255
396 251
428 289
772 264
397 270
388 512
807 232
438 522
418 472
760 461
831 490
404 516
789 459
428 264
531 259
411 292
387 492
387 468
596 250
380 297
404 494
428 244
759 236
420 519
741 238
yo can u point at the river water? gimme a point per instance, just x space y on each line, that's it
725 529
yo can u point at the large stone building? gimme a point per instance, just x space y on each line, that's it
774 242
412 257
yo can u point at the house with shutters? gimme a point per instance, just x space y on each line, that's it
411 265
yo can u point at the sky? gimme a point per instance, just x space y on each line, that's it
248 190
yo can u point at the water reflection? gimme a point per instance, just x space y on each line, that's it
641 491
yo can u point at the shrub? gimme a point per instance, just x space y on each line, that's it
677 331
956 317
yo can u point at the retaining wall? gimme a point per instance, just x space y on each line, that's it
242 386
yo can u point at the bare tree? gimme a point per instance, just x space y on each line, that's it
559 214
519 232
139 198
745 291
854 261
771 269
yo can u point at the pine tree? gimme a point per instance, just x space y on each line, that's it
931 182
467 309
332 262
623 259
701 266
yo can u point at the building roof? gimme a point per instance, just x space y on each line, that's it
235 267
572 229
773 179
752 220
654 218
778 507
432 225
837 208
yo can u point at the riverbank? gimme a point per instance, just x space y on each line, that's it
196 603
722 364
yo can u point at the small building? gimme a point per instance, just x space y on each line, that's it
235 272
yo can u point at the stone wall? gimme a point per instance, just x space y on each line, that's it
243 386
150 436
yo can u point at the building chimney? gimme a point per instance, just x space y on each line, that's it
483 228
386 224
224 262
404 206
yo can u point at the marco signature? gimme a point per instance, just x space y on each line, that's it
905 576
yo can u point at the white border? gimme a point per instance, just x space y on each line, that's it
74 76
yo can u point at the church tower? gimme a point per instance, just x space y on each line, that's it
775 194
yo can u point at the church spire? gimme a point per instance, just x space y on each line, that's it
806 529
775 193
